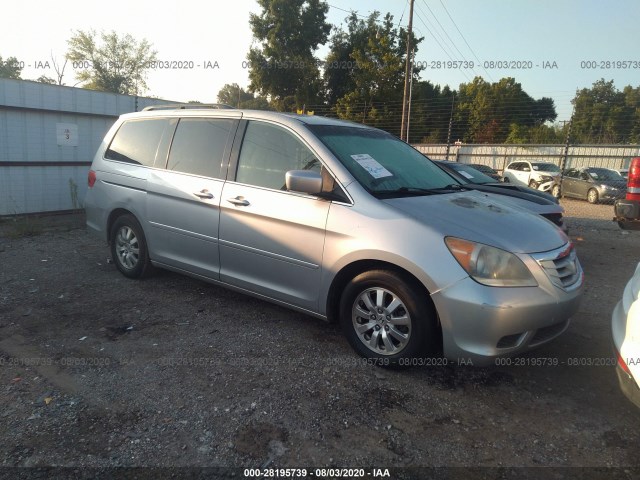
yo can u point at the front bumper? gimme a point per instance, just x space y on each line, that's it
625 348
628 386
481 323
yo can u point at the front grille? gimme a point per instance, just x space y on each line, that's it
547 333
561 266
554 217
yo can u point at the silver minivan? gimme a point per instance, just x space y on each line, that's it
337 220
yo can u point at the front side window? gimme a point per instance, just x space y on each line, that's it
381 163
136 141
198 146
268 152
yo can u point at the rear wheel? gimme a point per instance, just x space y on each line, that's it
592 196
129 247
385 317
506 180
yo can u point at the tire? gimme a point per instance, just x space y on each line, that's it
505 179
533 184
411 320
555 191
592 196
129 247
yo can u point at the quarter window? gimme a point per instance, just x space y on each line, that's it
198 146
268 152
137 141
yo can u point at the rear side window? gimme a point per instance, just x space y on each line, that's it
198 146
136 141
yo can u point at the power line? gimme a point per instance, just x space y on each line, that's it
443 29
465 40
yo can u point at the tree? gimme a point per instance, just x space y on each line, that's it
10 68
431 109
603 114
487 112
235 96
365 71
45 79
283 66
118 64
59 69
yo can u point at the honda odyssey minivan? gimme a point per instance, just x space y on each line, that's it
335 219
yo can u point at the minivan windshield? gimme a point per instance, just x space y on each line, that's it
383 164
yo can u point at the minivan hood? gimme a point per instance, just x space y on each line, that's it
482 218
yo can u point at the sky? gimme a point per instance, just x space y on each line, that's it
552 47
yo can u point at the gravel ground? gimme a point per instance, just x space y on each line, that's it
98 371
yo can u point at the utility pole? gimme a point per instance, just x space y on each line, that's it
565 155
407 72
410 92
453 99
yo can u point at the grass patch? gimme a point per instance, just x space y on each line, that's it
20 226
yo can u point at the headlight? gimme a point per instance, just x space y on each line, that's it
546 178
489 265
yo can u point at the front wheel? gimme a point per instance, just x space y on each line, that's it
385 317
555 191
129 247
592 196
533 184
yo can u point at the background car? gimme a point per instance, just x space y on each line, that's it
487 170
625 327
627 210
624 172
593 184
535 201
532 174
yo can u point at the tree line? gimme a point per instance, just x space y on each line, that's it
361 79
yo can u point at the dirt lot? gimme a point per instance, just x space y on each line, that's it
100 371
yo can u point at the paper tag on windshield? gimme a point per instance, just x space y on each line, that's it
370 164
465 174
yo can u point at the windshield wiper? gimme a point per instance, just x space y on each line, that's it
421 191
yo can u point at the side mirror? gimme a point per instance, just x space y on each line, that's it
304 181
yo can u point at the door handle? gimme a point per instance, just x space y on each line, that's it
239 201
203 194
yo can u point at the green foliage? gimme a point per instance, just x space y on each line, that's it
550 134
604 114
488 110
365 69
283 66
235 96
10 68
45 79
117 64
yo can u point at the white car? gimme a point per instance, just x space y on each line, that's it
538 175
625 325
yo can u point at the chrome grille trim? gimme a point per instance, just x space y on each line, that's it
561 266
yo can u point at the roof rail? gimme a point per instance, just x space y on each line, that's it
188 106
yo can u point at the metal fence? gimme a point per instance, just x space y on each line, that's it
499 156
